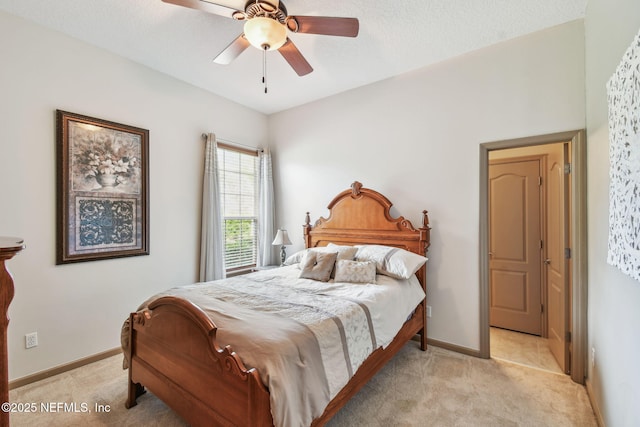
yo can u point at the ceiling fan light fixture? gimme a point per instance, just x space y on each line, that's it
265 33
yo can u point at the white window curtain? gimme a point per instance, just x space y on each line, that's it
266 211
212 240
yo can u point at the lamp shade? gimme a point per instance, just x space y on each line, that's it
265 33
282 238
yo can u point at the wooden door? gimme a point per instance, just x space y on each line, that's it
556 262
515 245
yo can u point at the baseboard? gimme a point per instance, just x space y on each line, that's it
594 404
62 368
453 347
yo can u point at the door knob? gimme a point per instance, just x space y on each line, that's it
547 261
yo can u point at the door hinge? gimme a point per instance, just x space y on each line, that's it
567 253
567 336
541 308
567 168
541 244
539 180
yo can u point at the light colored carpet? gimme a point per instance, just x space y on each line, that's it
432 388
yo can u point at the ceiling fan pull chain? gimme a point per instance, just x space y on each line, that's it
264 68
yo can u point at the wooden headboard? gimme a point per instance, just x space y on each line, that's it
360 216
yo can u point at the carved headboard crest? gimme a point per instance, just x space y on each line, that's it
355 189
361 215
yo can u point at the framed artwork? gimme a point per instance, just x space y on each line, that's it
623 95
102 189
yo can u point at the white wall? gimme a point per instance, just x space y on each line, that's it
77 309
415 138
614 298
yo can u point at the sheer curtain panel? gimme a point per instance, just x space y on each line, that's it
211 242
266 211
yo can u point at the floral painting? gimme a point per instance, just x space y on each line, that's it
103 189
623 93
104 159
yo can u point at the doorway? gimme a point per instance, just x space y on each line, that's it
529 283
569 260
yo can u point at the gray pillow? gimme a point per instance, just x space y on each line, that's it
344 252
318 265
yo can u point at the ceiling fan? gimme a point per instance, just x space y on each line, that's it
266 25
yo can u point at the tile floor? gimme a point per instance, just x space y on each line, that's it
524 349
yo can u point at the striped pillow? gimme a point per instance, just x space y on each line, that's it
390 261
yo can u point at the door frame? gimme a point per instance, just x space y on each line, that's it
578 225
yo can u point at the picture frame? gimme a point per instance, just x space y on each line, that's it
102 189
623 99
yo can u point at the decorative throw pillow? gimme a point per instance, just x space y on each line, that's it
318 265
390 261
355 271
344 252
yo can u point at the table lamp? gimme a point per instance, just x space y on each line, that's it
282 239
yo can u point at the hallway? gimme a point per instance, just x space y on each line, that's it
524 349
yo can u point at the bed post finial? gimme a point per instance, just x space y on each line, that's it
355 188
306 230
425 231
425 219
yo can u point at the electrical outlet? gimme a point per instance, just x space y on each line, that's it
31 340
428 311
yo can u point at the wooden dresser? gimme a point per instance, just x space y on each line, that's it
9 246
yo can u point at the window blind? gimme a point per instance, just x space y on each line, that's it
239 194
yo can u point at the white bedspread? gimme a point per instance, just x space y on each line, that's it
305 338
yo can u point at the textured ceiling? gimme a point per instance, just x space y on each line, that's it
395 37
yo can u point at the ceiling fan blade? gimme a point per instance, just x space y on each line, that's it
205 6
293 56
325 25
232 51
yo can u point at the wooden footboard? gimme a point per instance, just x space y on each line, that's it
173 352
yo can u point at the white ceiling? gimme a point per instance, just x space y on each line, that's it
395 37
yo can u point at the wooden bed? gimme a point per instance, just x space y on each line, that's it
172 345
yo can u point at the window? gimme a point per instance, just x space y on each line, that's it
238 174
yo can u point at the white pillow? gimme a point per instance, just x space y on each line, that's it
295 258
355 271
390 261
